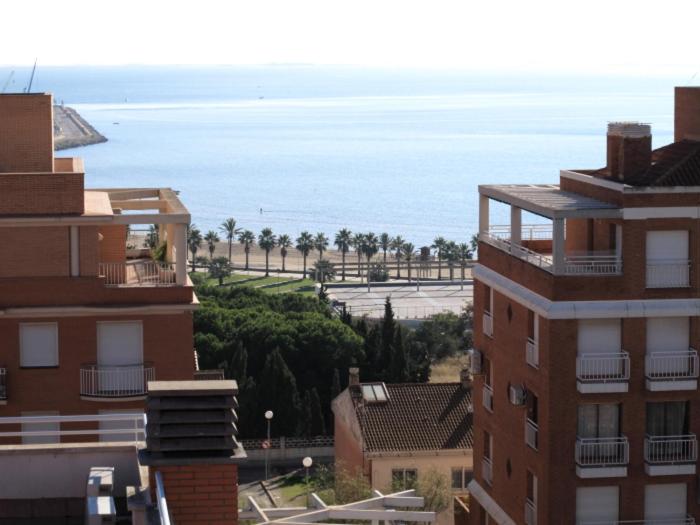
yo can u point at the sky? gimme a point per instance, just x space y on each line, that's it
604 36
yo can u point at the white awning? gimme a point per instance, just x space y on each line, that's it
496 513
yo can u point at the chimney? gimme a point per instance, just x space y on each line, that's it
629 149
26 133
353 376
465 378
687 114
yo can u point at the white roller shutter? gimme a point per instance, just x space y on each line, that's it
598 336
597 504
665 501
667 245
668 334
38 343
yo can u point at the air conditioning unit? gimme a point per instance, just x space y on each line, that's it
517 395
475 362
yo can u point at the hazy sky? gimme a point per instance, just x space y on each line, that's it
637 36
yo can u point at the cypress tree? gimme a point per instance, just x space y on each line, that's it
388 331
279 393
318 425
305 420
399 361
335 386
237 367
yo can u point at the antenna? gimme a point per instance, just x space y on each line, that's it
31 79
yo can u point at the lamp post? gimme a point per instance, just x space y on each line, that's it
307 462
268 415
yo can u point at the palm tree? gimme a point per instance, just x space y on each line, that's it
397 245
228 228
246 238
358 241
305 243
211 238
439 245
474 242
194 242
451 254
370 246
343 240
267 241
465 254
324 270
385 244
408 250
284 242
320 243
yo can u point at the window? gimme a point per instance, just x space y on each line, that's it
531 325
667 418
596 421
488 445
486 369
38 344
374 393
461 476
403 478
597 504
488 299
598 336
532 407
40 427
531 489
667 502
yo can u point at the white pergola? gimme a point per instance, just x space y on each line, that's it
380 507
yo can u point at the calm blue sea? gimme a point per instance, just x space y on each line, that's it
321 148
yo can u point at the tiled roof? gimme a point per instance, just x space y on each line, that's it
418 416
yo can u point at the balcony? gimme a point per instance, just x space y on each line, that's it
138 273
532 353
3 386
602 457
530 512
602 372
531 433
487 325
487 470
115 382
670 455
672 273
487 398
666 371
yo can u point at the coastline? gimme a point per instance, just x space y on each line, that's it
72 131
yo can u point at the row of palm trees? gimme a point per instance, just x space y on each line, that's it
365 245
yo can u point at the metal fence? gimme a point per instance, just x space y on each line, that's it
670 366
603 367
130 426
671 273
115 381
671 449
137 273
288 442
602 452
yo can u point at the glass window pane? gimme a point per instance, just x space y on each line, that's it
608 421
368 393
676 423
457 478
411 476
655 419
587 421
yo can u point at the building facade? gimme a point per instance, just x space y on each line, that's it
586 404
87 318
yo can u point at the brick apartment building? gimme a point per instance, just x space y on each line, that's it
84 321
586 404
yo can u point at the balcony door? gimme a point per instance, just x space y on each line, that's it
667 259
668 342
120 356
667 502
600 345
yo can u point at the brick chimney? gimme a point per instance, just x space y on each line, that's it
26 133
629 149
353 376
190 442
465 378
687 114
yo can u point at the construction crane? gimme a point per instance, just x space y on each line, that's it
31 79
7 82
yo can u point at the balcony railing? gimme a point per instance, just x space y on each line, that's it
532 353
137 273
531 433
488 324
115 381
592 265
487 398
3 384
487 470
672 366
530 512
687 520
602 452
671 273
594 368
671 450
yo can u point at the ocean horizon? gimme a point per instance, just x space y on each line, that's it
321 148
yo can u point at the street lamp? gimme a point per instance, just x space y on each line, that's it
307 462
268 415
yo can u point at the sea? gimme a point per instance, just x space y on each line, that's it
320 148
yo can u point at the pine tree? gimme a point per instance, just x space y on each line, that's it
237 367
250 414
399 361
388 331
335 386
280 394
318 425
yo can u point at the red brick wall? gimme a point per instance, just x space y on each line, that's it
687 113
200 494
88 250
26 133
42 194
39 252
113 243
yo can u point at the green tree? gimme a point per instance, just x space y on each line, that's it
320 243
237 367
370 246
434 488
350 484
228 228
388 331
211 238
399 361
219 269
284 242
397 246
408 250
323 270
465 254
474 242
385 244
451 255
279 394
358 241
267 241
335 386
247 239
152 238
439 246
343 241
318 425
194 242
305 243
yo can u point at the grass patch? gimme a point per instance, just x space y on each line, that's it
447 370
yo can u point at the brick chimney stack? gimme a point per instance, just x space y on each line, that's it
629 149
465 378
353 376
687 114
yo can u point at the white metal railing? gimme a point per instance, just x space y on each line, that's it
669 273
161 502
134 425
687 520
528 232
602 452
541 260
115 381
487 470
488 324
487 398
672 366
603 367
3 383
531 433
532 353
671 449
530 512
592 265
405 312
137 273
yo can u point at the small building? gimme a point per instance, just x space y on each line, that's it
394 433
